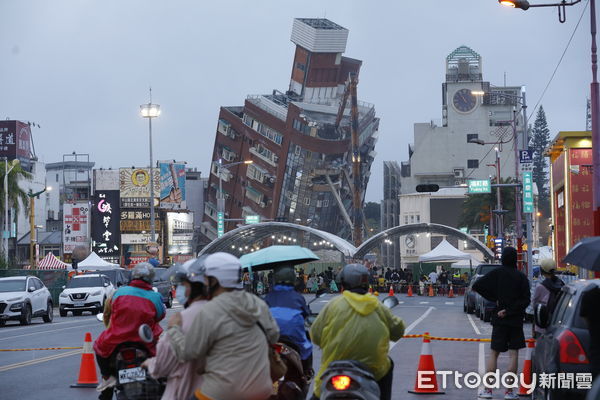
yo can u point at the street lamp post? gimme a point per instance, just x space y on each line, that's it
151 111
594 89
32 236
6 227
220 197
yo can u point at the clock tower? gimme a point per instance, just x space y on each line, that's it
463 74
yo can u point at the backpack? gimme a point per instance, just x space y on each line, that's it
554 294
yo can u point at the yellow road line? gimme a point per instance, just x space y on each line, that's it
39 360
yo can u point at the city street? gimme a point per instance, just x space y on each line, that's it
48 374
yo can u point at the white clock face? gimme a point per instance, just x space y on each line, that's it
409 241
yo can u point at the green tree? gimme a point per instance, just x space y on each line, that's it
372 212
540 139
477 208
17 197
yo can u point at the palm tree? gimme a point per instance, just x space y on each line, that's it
17 197
476 210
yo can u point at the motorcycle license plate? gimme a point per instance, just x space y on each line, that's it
132 375
79 303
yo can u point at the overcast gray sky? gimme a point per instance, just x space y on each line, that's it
81 68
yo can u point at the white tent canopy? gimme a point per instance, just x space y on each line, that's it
94 262
472 262
444 252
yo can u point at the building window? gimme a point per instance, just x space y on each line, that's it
300 66
417 218
262 129
472 163
412 219
406 220
307 201
472 136
325 203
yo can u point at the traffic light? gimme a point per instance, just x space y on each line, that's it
428 188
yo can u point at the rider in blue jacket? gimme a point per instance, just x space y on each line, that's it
289 309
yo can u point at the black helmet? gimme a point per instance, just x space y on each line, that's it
355 276
284 276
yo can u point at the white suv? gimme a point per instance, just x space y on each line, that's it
85 293
23 298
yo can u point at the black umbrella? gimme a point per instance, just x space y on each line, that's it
585 254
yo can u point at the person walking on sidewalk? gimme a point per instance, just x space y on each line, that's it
547 291
509 289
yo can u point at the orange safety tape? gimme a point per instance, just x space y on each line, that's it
45 348
455 339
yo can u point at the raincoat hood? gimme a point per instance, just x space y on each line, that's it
364 304
243 307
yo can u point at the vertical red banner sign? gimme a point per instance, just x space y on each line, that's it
581 194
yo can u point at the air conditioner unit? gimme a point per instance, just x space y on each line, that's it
459 173
263 204
276 158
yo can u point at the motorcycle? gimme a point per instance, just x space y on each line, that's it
350 379
294 385
133 381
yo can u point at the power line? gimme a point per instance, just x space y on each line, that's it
558 64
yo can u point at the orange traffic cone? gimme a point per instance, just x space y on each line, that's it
409 293
426 381
87 368
527 368
391 293
451 292
430 290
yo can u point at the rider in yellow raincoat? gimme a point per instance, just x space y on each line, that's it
356 326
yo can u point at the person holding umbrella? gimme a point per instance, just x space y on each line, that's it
289 309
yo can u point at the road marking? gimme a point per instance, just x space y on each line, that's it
412 326
449 303
39 360
423 302
46 331
473 324
481 359
10 329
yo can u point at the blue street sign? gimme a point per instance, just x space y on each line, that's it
526 156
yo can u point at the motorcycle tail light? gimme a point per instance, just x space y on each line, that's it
341 382
128 355
278 347
571 351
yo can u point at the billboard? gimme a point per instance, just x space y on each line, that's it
106 234
172 185
75 225
180 233
106 179
15 140
135 182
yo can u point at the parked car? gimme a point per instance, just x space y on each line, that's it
162 285
86 292
564 347
118 276
23 298
471 302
